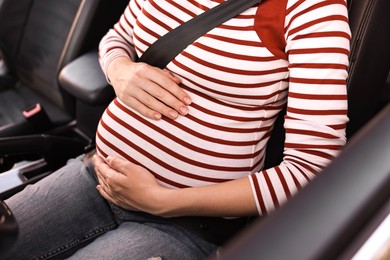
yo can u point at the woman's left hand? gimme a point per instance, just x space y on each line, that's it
128 185
133 187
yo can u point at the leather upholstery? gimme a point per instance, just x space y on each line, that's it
38 40
369 59
10 29
33 44
84 79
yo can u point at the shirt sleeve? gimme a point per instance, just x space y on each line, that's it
317 38
119 40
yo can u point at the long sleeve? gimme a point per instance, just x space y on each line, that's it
317 46
119 40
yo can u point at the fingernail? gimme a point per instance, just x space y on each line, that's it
157 116
173 114
187 100
183 110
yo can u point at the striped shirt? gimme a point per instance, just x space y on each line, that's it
239 76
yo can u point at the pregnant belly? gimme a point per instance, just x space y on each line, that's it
180 153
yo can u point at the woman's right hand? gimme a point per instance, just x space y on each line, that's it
151 91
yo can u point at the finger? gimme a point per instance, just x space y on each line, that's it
120 165
100 166
101 180
114 200
152 98
142 109
103 186
109 177
175 89
98 161
164 101
155 92
103 192
101 177
176 97
171 76
110 191
166 80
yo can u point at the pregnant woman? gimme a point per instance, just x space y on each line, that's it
180 152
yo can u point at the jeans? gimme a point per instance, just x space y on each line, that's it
63 216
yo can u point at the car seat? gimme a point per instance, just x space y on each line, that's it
37 38
78 29
33 146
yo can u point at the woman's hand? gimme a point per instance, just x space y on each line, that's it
133 187
149 90
128 185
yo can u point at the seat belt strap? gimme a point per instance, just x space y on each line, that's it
167 47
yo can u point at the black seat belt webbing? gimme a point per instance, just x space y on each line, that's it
167 47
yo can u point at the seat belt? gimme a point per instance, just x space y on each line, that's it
167 47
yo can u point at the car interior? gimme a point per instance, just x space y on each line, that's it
52 93
44 121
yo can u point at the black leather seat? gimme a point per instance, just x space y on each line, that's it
33 39
31 75
37 38
27 150
369 61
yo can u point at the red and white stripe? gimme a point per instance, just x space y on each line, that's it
237 86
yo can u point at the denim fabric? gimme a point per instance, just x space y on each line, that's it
63 216
143 237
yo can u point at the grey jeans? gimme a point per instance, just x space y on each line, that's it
63 216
